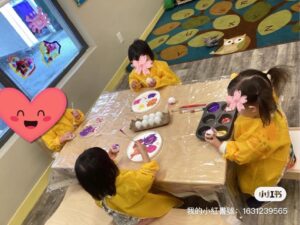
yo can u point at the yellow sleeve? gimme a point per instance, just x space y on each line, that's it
165 76
51 140
137 184
249 149
133 78
69 116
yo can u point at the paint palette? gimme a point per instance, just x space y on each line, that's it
215 116
150 121
145 101
150 139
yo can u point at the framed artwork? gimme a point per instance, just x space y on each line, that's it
80 2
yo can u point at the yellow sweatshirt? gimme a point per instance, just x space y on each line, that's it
160 72
133 197
67 123
261 153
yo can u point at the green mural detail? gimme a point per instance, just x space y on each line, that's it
274 22
240 4
183 14
198 41
257 12
226 22
195 22
182 36
156 42
204 4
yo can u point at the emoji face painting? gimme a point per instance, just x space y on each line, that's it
31 119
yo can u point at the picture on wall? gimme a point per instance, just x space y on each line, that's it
80 2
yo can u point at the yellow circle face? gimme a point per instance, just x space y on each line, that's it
198 41
226 22
182 36
166 28
156 42
183 14
174 52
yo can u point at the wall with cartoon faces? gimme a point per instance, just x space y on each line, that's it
21 163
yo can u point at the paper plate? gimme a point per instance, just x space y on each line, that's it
151 139
145 101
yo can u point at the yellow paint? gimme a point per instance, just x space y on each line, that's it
118 76
31 199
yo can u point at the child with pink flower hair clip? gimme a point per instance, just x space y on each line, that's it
261 145
147 72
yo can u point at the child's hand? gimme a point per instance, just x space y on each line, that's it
151 82
135 85
76 114
210 137
67 137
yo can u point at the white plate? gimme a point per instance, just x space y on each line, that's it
145 101
153 145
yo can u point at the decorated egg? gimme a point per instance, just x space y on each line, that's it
171 101
151 121
152 115
157 120
138 124
158 114
145 123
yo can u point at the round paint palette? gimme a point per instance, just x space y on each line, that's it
145 101
152 141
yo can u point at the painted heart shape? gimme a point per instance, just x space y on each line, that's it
31 119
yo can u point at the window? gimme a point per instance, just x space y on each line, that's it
38 45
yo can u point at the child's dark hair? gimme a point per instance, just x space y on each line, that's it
96 173
258 87
138 48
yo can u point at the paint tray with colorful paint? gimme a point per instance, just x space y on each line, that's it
216 116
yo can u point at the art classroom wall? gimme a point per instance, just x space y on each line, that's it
21 163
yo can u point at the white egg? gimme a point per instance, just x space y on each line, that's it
138 124
151 121
145 123
152 115
157 120
158 114
171 100
145 117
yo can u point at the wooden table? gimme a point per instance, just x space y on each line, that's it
186 163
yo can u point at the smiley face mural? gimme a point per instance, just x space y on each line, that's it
31 119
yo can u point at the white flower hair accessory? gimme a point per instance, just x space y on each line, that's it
236 101
142 65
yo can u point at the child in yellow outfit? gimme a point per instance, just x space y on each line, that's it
63 130
261 143
125 195
147 72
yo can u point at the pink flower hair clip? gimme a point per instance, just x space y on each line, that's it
142 65
236 101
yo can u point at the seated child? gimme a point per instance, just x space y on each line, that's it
63 130
124 194
261 143
147 72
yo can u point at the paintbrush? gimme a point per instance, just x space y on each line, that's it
123 132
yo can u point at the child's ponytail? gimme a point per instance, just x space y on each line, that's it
267 105
279 77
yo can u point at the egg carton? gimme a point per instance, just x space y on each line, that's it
165 119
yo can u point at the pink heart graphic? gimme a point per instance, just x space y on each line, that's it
32 119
